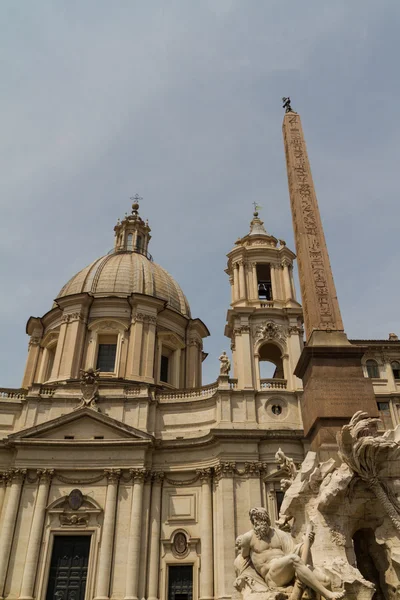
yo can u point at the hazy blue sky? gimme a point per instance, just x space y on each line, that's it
180 101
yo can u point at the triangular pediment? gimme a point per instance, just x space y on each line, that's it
81 425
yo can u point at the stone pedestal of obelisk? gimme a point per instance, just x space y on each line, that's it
330 367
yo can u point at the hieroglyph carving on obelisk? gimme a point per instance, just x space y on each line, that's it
320 303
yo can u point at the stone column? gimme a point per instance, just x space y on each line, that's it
246 357
236 292
206 523
255 282
155 529
35 537
257 371
177 365
273 269
286 280
144 537
150 345
135 347
225 530
15 480
3 483
242 282
72 347
107 537
192 374
32 361
134 543
232 289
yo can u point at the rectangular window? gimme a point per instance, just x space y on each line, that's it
164 368
279 495
384 413
106 353
51 352
264 282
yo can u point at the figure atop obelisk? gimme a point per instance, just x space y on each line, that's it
330 367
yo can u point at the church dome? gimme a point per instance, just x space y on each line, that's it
126 272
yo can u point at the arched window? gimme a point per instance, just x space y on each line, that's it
396 369
372 369
129 241
139 242
270 361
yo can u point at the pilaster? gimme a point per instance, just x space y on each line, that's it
15 481
107 536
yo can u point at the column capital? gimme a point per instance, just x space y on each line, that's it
157 477
138 475
112 475
205 475
45 474
286 263
253 469
225 469
34 341
17 475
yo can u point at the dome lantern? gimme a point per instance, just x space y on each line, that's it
132 234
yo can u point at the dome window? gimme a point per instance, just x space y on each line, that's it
129 241
106 353
164 368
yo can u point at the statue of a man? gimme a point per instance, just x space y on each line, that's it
275 556
225 364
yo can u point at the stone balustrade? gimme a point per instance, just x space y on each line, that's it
273 384
267 304
207 391
12 393
233 384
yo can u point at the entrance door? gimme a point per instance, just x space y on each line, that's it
68 568
180 582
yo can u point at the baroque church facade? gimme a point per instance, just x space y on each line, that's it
122 476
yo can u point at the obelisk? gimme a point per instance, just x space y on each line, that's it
334 383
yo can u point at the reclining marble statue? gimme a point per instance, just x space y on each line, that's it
269 560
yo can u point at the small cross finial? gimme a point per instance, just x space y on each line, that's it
257 207
286 104
136 198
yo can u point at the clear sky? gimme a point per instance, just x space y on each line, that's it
180 101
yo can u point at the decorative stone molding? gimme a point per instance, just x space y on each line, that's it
286 263
74 520
270 331
78 481
89 389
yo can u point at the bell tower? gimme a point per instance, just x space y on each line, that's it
264 322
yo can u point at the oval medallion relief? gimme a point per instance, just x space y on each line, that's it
180 543
75 499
